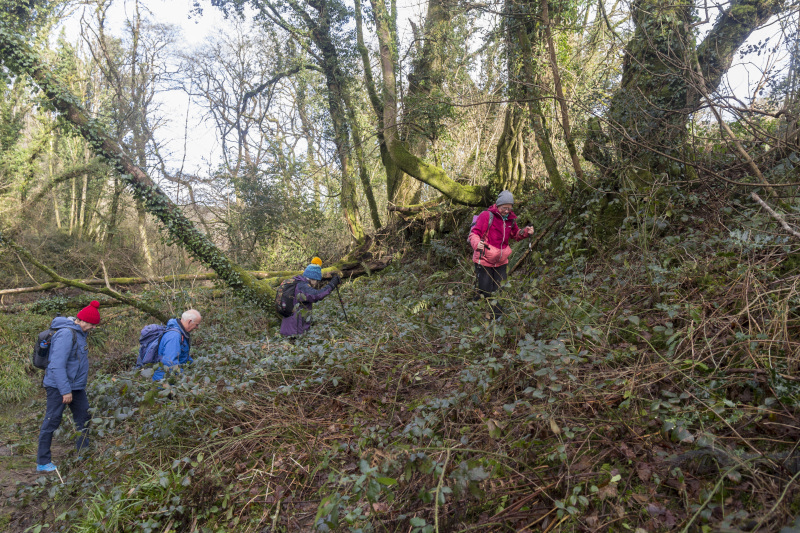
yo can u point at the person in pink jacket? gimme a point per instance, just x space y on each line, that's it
489 240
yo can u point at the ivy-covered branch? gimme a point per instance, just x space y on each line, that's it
20 59
731 29
152 311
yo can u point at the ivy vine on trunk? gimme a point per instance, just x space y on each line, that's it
22 60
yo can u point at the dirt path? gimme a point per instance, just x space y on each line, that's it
19 432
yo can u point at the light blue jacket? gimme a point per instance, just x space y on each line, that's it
68 369
173 348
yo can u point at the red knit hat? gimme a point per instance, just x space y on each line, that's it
89 313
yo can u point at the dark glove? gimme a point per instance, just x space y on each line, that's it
335 280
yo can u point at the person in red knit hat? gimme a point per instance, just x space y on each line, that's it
65 380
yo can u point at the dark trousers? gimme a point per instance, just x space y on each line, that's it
52 419
489 280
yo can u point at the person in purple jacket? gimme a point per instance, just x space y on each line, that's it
306 293
65 380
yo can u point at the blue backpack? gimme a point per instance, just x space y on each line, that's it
149 339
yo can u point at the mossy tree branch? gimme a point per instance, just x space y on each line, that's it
152 311
20 59
734 25
406 161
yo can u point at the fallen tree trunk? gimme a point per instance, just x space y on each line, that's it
107 290
112 281
347 269
77 303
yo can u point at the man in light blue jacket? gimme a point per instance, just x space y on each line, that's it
173 350
65 380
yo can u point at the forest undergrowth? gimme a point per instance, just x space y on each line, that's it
643 383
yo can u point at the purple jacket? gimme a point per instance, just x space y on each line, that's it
304 297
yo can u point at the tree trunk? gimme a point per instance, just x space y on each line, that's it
73 207
320 29
423 100
51 172
362 165
308 132
562 102
650 109
538 119
510 161
401 157
141 223
113 213
400 189
20 59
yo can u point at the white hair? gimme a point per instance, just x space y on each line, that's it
192 315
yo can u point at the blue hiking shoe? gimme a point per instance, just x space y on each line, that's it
49 467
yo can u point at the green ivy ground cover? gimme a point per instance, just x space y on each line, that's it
646 386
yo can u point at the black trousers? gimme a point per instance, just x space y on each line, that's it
489 280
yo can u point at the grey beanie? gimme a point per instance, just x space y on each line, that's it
505 197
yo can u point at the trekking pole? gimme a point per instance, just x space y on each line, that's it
342 304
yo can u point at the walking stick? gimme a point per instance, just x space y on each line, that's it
342 304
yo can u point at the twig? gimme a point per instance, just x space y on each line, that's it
534 243
776 216
105 275
783 495
438 492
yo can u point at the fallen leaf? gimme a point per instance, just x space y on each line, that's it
554 427
627 452
583 465
640 498
644 471
495 429
655 509
607 491
380 507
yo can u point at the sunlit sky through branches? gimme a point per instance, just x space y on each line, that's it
190 141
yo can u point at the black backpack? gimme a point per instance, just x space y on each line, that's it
41 352
284 297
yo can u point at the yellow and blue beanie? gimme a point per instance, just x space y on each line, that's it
313 271
316 261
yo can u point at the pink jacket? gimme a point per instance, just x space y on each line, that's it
496 249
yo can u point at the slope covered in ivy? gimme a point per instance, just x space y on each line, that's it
645 383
